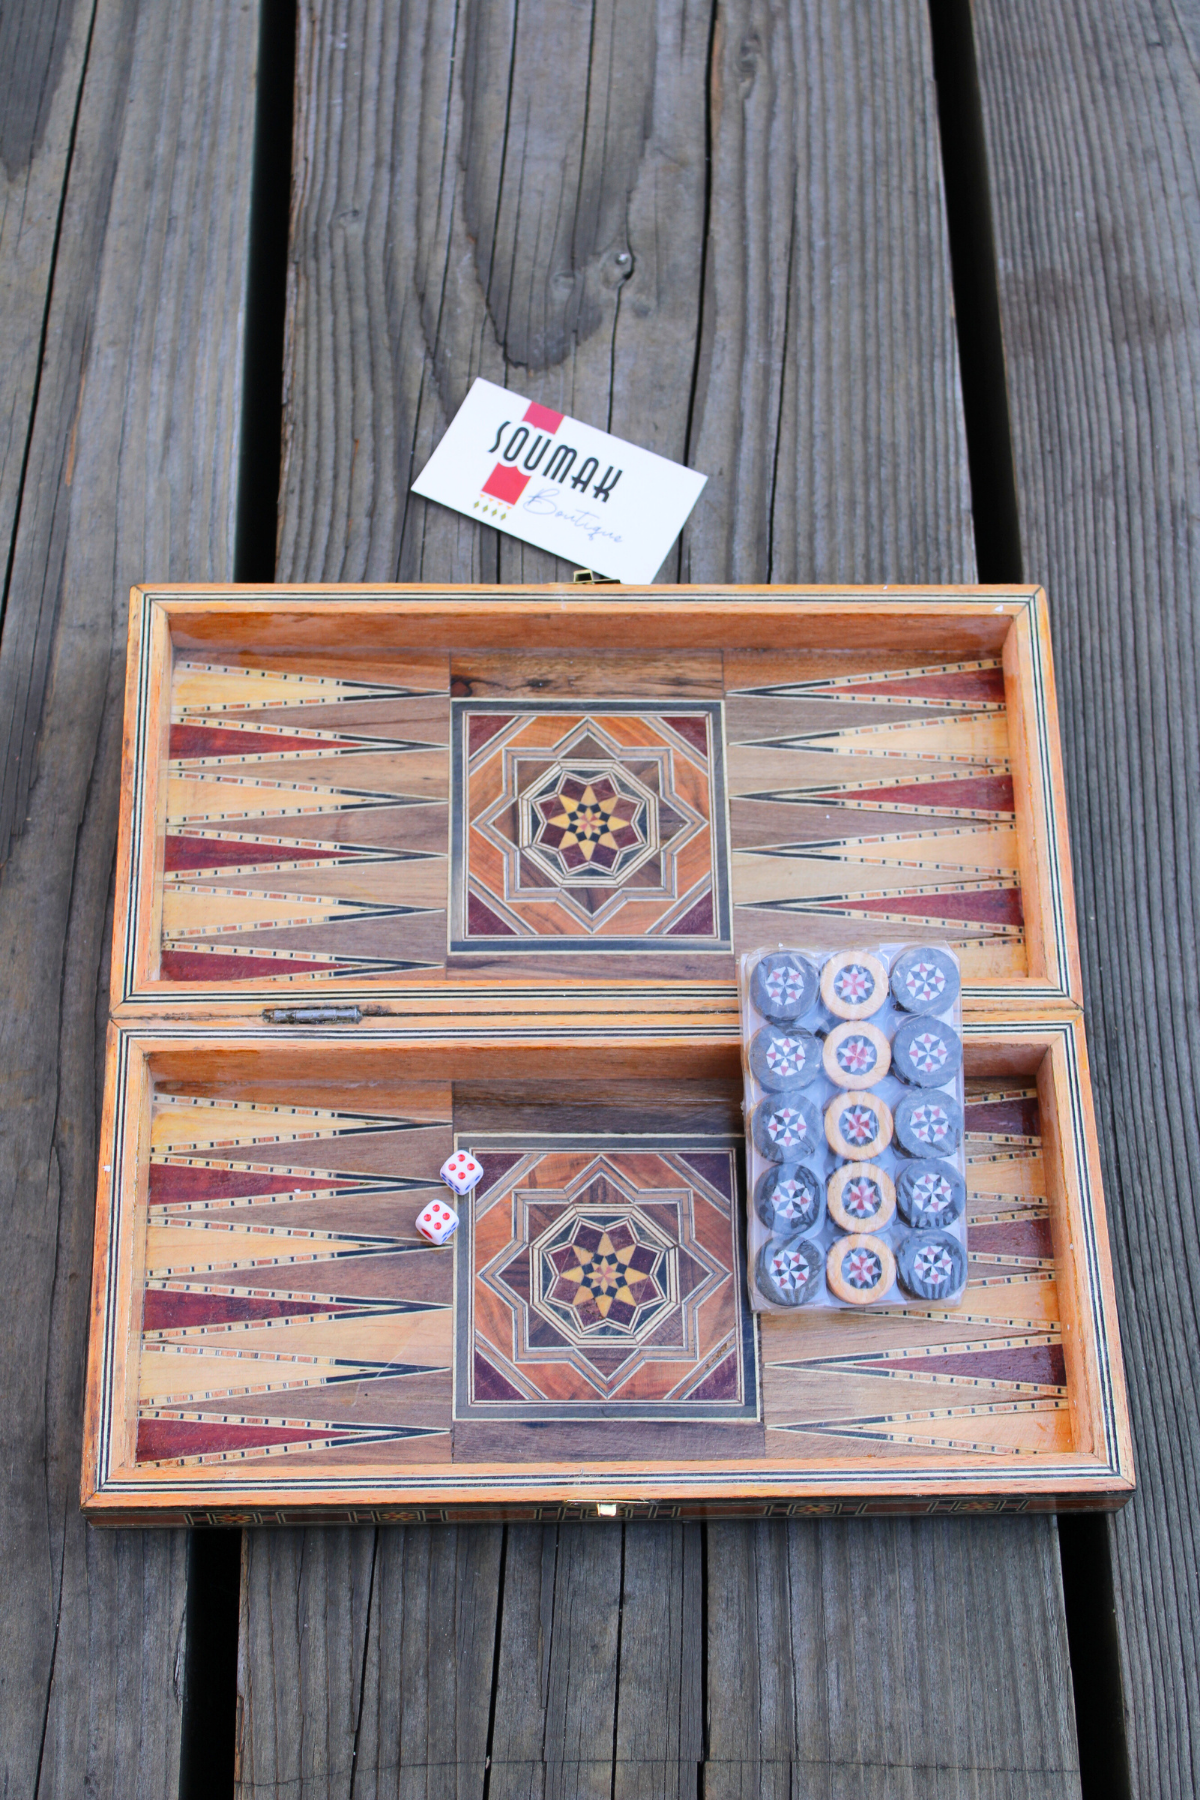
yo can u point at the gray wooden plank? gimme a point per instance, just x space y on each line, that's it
1092 117
467 181
42 55
130 470
583 140
827 415
660 1675
894 1654
315 1591
556 1671
367 1661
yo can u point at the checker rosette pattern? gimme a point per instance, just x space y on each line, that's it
605 1283
605 827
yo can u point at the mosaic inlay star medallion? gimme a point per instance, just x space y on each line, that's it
605 827
597 1282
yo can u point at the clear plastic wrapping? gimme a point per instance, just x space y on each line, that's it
856 1190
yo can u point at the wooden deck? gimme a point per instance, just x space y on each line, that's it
905 345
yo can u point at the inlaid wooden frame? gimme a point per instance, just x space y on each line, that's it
1034 1411
889 877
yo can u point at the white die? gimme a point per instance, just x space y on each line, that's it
437 1222
461 1172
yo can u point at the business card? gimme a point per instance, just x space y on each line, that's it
596 500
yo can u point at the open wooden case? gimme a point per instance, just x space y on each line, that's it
352 933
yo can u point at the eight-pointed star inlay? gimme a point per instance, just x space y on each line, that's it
605 828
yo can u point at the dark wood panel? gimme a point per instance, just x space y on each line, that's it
527 197
1092 115
130 469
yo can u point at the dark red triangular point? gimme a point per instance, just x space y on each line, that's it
189 741
987 906
1042 1364
961 684
1005 1118
172 1183
984 793
693 728
188 965
1012 1237
166 1310
181 853
159 1440
483 922
696 923
490 1384
482 727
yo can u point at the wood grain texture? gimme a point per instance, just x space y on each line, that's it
889 1660
42 55
130 466
413 1607
827 411
1092 116
783 321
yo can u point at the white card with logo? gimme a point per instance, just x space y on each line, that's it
597 501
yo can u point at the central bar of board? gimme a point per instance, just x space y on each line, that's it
410 869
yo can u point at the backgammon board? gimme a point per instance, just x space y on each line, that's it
413 869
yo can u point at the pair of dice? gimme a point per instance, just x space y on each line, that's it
437 1221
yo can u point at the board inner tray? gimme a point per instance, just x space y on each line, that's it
598 796
290 1334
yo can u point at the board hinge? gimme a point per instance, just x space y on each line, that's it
312 1015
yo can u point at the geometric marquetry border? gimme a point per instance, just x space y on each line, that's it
746 1407
716 938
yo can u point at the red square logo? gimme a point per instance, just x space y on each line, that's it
541 418
506 484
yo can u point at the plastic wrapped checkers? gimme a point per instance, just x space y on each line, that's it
853 1070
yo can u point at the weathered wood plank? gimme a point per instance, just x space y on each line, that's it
467 186
130 470
893 1653
828 416
42 56
1092 116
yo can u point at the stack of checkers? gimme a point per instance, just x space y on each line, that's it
855 1104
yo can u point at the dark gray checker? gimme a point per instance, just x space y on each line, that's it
786 1127
925 980
930 1194
788 1271
928 1124
932 1265
782 1056
784 986
789 1199
926 1053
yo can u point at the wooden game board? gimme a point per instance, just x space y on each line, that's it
380 819
408 869
276 1337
